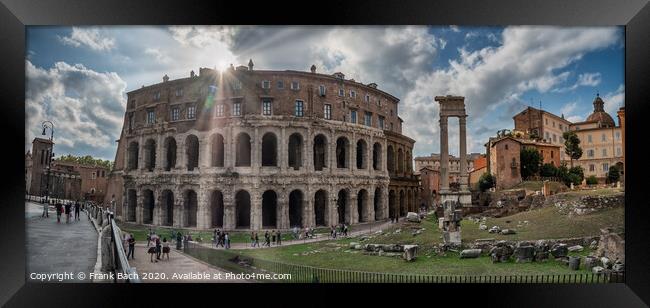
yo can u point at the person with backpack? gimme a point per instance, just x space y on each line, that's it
59 209
267 239
67 212
131 242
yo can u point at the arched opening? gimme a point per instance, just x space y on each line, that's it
167 208
170 148
392 204
295 209
243 156
377 203
269 150
390 157
269 209
131 204
362 205
190 205
295 151
361 154
320 152
376 156
320 208
217 150
242 209
400 161
341 152
150 155
409 205
192 152
148 204
216 209
402 203
341 205
133 155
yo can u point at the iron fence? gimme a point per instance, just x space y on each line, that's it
234 262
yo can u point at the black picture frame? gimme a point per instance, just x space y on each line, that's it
634 15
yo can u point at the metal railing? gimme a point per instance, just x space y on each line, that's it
120 261
234 262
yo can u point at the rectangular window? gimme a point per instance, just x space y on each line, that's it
236 109
554 124
381 122
341 92
191 112
590 153
266 107
379 102
156 96
280 84
179 92
589 138
554 138
561 127
236 85
548 136
603 137
299 108
391 126
131 122
176 112
266 84
592 168
151 117
367 120
295 85
551 154
618 151
353 116
220 110
367 98
618 135
131 104
353 94
321 90
327 111
604 152
605 167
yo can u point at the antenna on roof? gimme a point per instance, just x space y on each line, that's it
540 104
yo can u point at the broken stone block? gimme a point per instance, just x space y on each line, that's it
618 267
576 248
482 227
494 229
597 270
410 252
606 262
470 253
590 262
412 217
353 244
574 263
524 253
559 250
593 245
508 231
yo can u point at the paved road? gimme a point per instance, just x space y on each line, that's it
59 247
178 263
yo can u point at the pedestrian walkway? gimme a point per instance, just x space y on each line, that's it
359 230
59 247
178 263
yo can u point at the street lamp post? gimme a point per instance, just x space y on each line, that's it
50 125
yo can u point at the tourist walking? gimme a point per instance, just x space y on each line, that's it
158 247
165 248
252 239
131 252
257 240
149 237
267 239
67 212
151 250
226 238
273 237
77 208
46 212
279 238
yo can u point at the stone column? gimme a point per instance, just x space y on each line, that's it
370 213
283 211
307 156
351 212
228 210
385 203
204 217
160 154
331 157
139 206
256 151
179 210
180 155
256 211
283 151
227 148
308 218
157 213
332 213
463 152
444 155
352 154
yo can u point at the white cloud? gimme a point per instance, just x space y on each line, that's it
614 100
586 79
454 28
88 37
158 55
569 108
87 107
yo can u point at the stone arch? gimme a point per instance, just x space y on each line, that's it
217 150
392 204
342 149
320 152
131 204
376 156
400 160
377 203
295 151
390 157
320 208
269 209
167 208
402 203
243 155
295 208
148 205
362 205
192 151
342 205
269 150
133 155
170 149
190 208
242 209
362 154
150 154
216 209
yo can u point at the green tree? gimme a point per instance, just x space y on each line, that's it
592 180
572 145
577 171
530 162
486 181
613 175
548 170
568 176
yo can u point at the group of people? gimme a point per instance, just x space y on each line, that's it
341 229
220 238
154 246
273 238
67 208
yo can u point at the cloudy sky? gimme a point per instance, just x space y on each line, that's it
78 77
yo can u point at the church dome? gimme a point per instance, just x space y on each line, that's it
599 115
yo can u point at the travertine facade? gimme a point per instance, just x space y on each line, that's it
250 149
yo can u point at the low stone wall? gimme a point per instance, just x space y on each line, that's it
586 204
486 244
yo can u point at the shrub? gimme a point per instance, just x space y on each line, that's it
613 175
548 170
486 181
592 180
